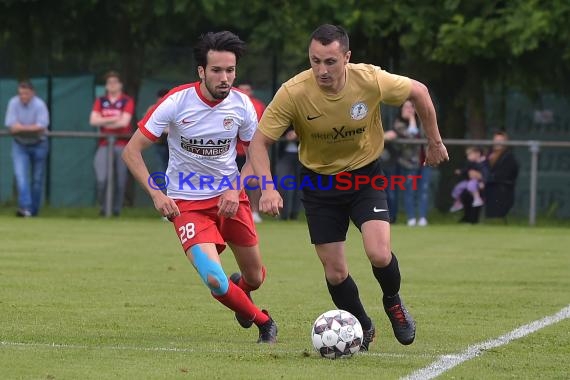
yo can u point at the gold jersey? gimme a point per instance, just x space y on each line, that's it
337 132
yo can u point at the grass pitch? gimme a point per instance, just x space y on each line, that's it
110 299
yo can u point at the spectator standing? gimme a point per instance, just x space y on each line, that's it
112 113
410 161
27 119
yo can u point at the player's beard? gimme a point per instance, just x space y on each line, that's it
217 93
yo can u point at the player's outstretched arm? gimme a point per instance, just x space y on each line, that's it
436 153
270 201
132 155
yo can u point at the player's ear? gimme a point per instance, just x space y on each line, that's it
347 57
201 72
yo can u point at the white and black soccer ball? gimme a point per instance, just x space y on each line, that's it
336 334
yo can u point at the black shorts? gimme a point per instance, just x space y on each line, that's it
332 201
240 161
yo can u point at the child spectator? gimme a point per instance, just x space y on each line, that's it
474 175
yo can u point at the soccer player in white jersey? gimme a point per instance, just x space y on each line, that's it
204 199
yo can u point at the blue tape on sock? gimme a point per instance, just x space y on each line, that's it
207 267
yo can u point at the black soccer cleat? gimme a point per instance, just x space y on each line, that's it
402 323
267 331
367 338
243 321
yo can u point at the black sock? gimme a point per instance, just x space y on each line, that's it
345 297
389 280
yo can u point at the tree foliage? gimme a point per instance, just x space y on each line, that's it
456 46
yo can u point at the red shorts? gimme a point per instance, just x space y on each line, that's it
199 222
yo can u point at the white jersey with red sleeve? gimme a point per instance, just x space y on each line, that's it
202 139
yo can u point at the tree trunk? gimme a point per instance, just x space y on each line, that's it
474 92
451 118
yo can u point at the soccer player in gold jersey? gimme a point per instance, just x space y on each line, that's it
334 108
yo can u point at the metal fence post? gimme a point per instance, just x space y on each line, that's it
534 148
110 175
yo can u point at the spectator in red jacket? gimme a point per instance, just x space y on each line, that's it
112 114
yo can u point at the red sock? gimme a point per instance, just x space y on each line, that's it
236 300
247 287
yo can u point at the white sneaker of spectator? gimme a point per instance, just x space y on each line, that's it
477 202
457 206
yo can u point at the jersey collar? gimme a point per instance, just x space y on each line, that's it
203 98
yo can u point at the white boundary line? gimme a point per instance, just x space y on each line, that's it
447 362
187 350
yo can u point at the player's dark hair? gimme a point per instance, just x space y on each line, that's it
26 84
163 91
328 33
220 41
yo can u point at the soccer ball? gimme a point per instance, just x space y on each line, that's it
336 334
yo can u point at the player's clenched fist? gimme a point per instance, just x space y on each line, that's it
165 205
436 153
228 203
270 202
